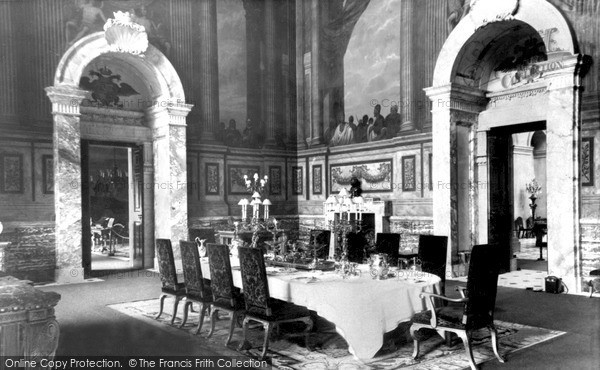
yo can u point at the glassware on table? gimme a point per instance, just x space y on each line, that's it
415 264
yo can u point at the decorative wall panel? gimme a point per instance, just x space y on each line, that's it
375 176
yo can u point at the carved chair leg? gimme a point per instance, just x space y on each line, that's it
186 307
413 333
203 308
162 303
213 318
268 327
467 343
244 344
494 333
175 305
232 323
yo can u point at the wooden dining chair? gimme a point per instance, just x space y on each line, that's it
477 303
226 297
432 253
168 276
388 243
260 307
195 289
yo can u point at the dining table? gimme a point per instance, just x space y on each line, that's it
362 308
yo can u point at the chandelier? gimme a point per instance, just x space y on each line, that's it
107 181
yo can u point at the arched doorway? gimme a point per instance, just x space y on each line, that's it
160 135
508 67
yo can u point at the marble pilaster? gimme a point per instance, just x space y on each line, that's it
209 69
170 172
270 76
66 101
254 22
453 105
316 118
148 204
301 119
406 75
562 177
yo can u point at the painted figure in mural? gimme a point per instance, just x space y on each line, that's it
330 131
377 115
154 30
232 135
393 121
376 131
457 10
85 20
344 132
360 135
249 135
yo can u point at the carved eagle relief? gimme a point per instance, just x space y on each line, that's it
106 88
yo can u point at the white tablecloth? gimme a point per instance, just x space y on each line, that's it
362 309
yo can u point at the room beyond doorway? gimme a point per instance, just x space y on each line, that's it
518 192
110 201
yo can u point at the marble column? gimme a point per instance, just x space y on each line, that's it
316 118
406 65
209 69
300 117
66 101
562 176
170 172
270 76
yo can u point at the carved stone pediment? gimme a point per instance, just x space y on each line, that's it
123 35
488 11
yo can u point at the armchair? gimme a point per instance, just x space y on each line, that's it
478 302
388 243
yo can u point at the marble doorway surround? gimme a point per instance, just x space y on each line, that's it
165 191
471 95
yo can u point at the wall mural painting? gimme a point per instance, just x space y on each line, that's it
375 177
47 174
237 184
317 179
275 180
212 179
85 17
231 37
372 60
409 182
11 170
587 161
297 180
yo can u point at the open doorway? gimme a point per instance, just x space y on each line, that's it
517 173
530 206
111 199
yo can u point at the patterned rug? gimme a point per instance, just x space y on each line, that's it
330 351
